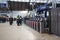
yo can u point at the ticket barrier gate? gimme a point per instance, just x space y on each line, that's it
38 26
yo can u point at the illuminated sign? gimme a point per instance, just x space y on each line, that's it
3 5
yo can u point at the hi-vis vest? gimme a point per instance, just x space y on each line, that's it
19 17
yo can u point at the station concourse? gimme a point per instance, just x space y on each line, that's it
29 19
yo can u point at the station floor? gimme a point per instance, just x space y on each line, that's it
23 32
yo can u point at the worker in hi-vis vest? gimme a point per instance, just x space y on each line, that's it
19 20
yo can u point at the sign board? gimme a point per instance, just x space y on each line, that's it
3 5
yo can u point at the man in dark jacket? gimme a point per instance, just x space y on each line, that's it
11 20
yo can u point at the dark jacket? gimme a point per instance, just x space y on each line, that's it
11 19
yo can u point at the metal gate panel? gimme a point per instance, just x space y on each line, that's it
54 21
58 27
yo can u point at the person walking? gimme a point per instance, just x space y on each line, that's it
19 20
11 20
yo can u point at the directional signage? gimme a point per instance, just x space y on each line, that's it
3 5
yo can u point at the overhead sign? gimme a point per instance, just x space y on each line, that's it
43 7
3 5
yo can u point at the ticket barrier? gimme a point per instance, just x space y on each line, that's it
33 24
38 26
29 23
26 22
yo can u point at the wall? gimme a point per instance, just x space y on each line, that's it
55 21
21 13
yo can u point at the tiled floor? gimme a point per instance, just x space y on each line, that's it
22 32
